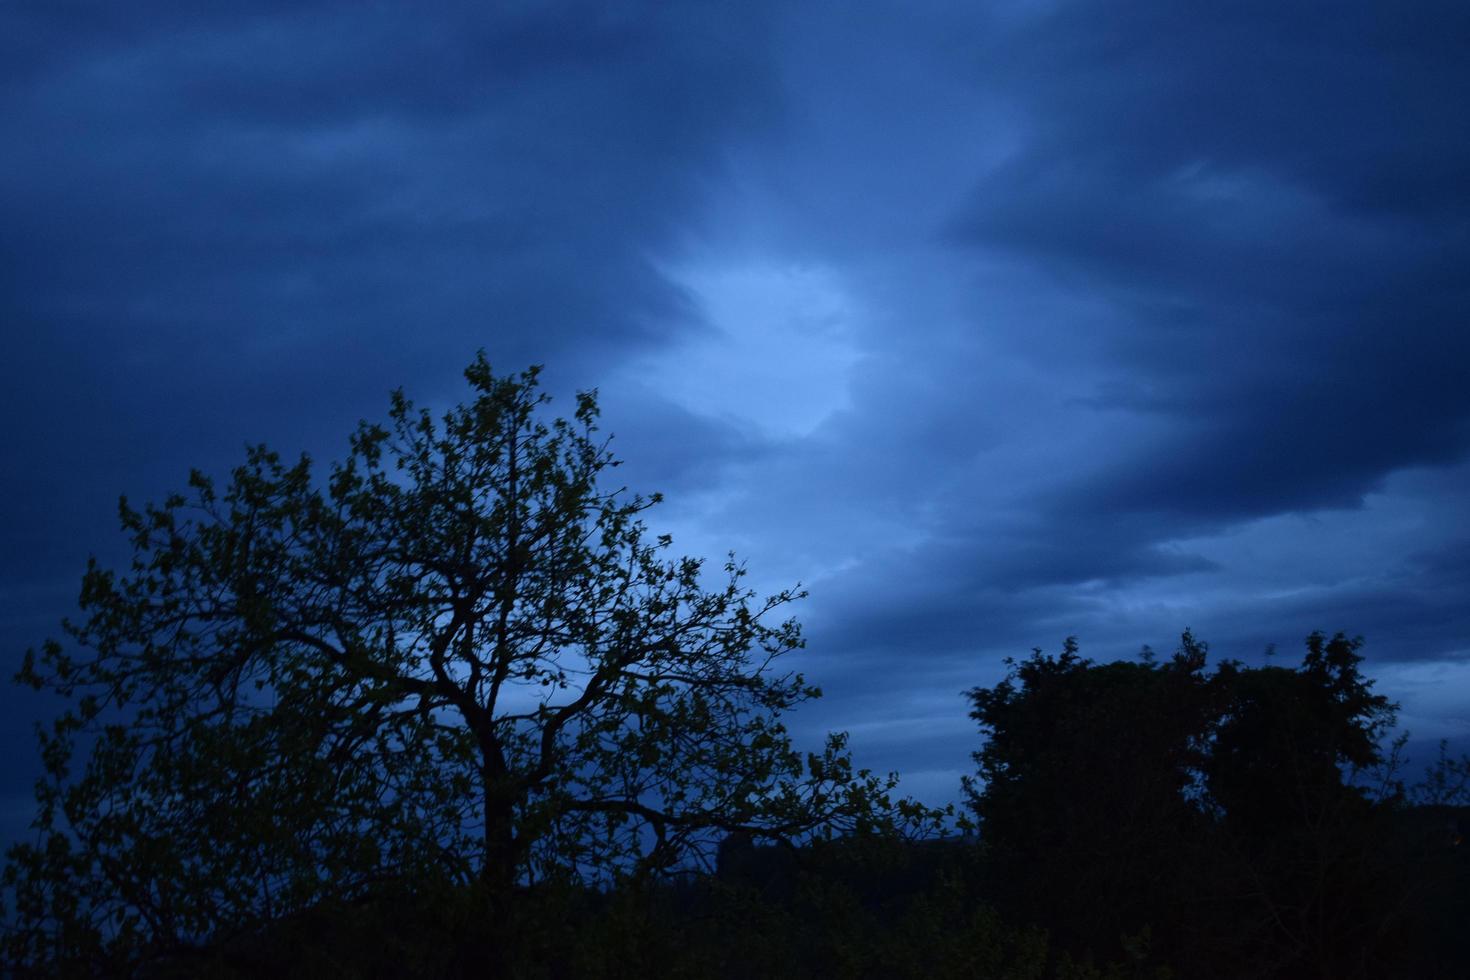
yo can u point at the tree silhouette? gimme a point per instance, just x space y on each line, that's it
458 658
1305 835
1234 822
1085 790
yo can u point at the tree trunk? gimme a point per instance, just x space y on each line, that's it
490 945
501 851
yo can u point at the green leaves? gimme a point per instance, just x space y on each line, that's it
456 657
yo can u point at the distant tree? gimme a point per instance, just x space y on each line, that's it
1085 791
1306 805
1286 740
1236 821
459 658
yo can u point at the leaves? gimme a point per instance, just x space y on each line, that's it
456 656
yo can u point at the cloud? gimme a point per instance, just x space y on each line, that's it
1192 327
1224 180
248 225
993 325
227 229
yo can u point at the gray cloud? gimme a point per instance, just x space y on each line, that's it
993 325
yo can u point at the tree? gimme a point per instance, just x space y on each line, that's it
1286 738
1306 806
1244 816
1084 791
457 659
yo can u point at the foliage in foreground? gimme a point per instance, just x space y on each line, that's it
459 660
862 908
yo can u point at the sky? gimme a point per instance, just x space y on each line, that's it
991 323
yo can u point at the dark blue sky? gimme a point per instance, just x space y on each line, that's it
993 323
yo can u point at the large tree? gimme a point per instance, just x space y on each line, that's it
459 657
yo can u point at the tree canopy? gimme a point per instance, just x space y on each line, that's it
459 656
1242 821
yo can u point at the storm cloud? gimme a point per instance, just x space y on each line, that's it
992 324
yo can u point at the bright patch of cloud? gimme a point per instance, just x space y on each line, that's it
778 351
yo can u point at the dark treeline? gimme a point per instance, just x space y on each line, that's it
1146 819
452 710
1235 822
1135 819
